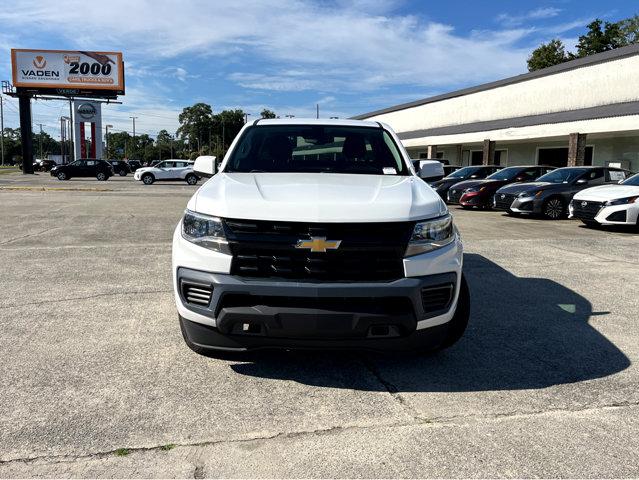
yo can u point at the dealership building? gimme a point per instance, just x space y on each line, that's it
582 112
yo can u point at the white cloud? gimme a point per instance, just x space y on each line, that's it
537 14
357 45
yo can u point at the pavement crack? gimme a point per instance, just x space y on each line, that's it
431 423
88 297
392 390
22 237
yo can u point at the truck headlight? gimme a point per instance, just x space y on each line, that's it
431 235
622 201
205 231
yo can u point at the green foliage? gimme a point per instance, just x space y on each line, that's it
547 55
599 39
266 113
122 452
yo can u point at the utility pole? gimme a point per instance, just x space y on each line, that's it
223 138
106 138
40 142
1 131
133 118
171 146
71 142
317 111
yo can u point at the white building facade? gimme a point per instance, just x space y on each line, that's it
582 112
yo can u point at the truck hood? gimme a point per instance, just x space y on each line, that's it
317 197
607 192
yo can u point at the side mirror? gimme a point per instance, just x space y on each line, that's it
582 181
204 166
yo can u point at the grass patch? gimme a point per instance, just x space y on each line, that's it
167 447
122 452
4 170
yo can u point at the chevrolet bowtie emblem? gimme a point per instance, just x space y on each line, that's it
318 244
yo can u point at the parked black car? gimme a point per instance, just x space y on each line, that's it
466 173
43 165
85 167
550 194
120 167
134 164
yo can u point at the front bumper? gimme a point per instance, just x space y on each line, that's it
474 199
526 205
245 313
625 214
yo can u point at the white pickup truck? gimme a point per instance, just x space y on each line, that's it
317 234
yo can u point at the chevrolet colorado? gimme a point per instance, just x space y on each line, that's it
317 234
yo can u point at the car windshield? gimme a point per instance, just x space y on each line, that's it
464 172
562 175
505 174
634 181
317 148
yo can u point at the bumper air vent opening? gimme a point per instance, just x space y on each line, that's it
198 294
438 297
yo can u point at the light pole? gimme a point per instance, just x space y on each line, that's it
40 140
1 131
133 118
246 115
106 138
65 126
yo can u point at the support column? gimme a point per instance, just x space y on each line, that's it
488 157
26 135
458 152
576 149
432 151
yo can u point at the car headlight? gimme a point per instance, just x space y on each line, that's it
622 201
430 235
205 231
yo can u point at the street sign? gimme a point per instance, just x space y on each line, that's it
68 72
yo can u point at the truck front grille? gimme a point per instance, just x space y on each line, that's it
367 252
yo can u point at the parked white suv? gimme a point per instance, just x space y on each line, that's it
167 170
317 234
608 204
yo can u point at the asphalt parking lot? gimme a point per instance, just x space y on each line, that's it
97 381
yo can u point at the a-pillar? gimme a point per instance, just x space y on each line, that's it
488 157
576 149
431 151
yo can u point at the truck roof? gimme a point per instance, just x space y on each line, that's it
342 122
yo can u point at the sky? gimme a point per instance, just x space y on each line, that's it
349 57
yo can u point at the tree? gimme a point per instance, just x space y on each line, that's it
629 30
266 113
196 124
547 55
598 40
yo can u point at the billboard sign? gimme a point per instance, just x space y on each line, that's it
68 72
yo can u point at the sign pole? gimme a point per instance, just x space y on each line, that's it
71 120
1 131
24 101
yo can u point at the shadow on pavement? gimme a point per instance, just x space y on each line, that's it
524 333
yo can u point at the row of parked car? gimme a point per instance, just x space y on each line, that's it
104 169
594 195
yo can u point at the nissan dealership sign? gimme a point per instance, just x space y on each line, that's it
68 72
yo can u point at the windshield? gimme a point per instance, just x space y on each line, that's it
505 174
562 175
317 148
464 172
634 181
